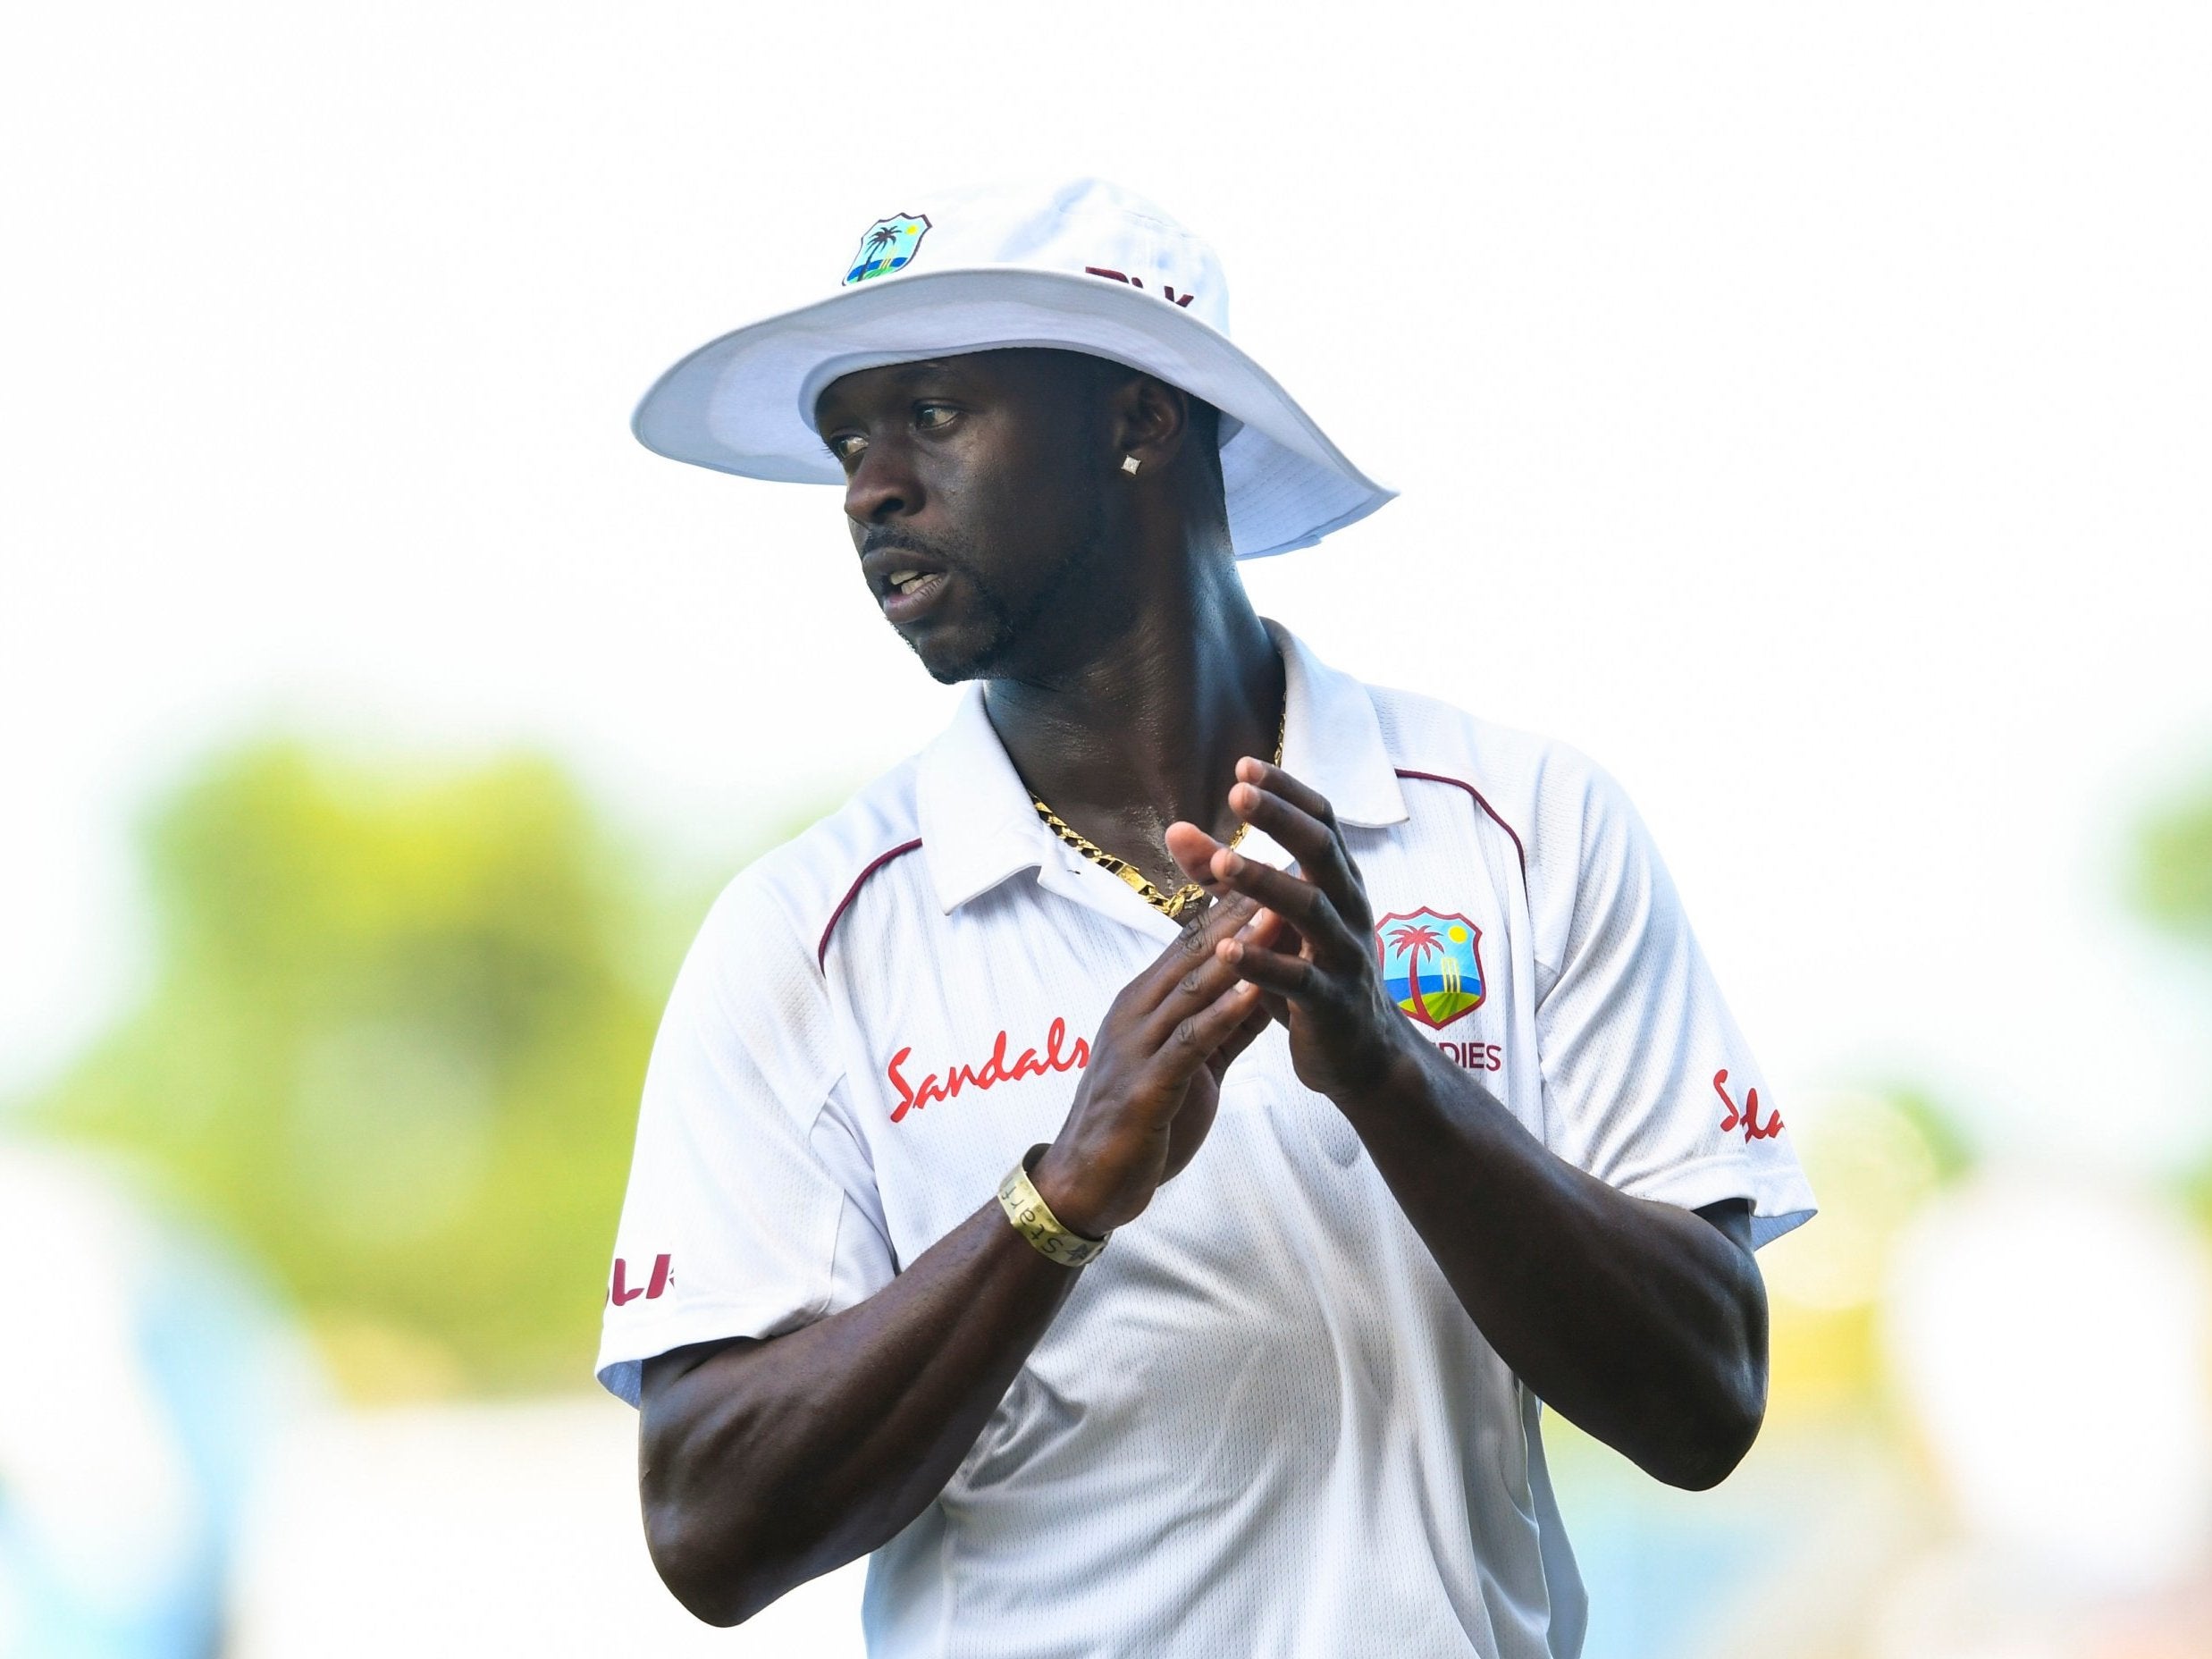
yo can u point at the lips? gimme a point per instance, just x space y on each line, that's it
912 593
906 582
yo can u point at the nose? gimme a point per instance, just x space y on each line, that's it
883 486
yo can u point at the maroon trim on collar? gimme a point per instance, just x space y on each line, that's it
821 955
1520 851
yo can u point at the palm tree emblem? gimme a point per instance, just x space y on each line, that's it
888 245
1406 942
1418 942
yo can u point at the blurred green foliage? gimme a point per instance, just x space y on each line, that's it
392 1045
1950 1149
2173 886
2173 869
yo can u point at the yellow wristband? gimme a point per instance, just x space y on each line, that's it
1033 1220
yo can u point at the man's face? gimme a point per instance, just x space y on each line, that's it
976 491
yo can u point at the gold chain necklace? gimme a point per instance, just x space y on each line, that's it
1170 905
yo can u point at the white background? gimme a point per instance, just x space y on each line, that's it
1803 409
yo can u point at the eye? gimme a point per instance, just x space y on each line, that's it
846 447
932 416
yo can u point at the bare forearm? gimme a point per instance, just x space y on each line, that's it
1641 1323
764 1465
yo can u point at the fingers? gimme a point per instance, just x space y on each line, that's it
1267 776
1193 949
1266 929
1242 1038
1207 977
1293 897
1291 978
1194 1039
1310 839
1337 940
1193 850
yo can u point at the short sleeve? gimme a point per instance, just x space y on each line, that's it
1648 1084
751 1209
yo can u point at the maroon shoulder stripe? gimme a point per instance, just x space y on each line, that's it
821 955
1520 851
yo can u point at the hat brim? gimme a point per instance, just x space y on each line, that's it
744 403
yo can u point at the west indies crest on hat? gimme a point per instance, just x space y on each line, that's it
1082 265
888 246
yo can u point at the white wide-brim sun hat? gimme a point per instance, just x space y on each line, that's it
1081 267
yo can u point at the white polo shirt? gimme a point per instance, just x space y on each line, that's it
1262 1425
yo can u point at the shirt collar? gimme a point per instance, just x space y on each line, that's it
978 827
1333 739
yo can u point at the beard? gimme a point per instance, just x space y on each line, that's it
1009 627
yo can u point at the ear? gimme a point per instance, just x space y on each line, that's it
1149 419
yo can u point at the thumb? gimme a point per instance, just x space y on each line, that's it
1193 850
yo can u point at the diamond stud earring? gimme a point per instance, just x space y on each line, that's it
1130 463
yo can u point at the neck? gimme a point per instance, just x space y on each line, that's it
1148 727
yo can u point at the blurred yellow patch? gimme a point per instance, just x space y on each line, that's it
1873 1162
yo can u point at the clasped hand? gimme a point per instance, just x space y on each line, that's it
1292 946
1310 945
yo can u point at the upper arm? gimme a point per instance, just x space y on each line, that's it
1731 1218
660 1373
1648 1083
751 1209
